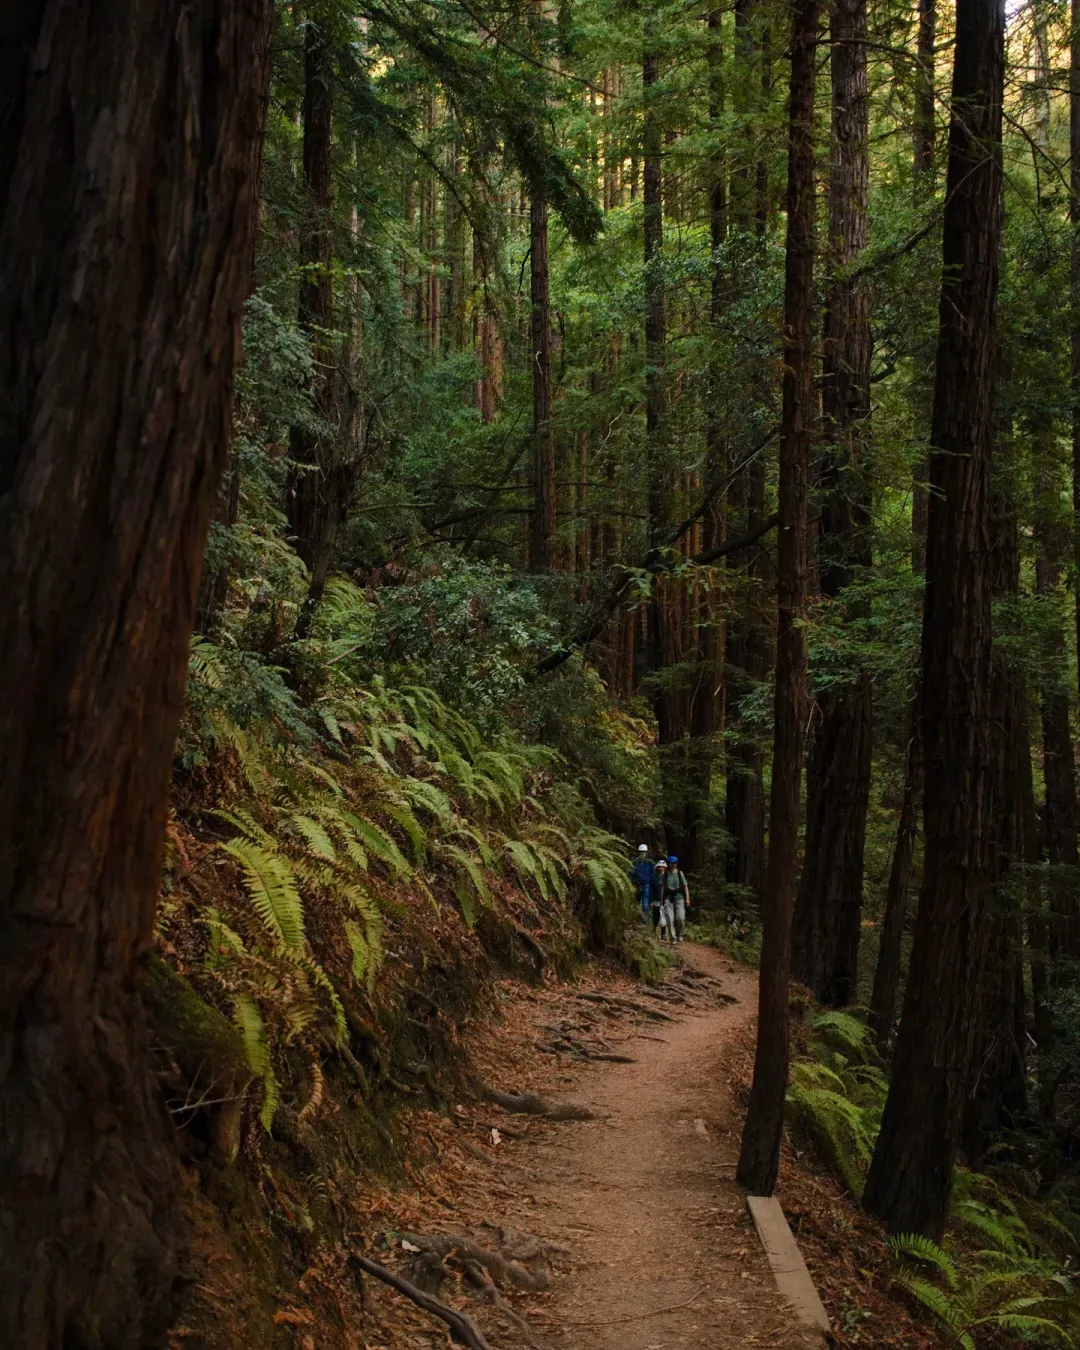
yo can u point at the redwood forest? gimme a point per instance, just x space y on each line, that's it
539 700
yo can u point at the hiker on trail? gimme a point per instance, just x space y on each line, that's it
642 873
659 910
676 898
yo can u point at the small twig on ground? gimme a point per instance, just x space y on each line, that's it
460 1323
636 1317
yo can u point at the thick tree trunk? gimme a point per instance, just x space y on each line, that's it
910 1176
318 495
828 913
759 1159
542 520
129 149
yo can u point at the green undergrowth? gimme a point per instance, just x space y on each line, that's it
367 832
1004 1274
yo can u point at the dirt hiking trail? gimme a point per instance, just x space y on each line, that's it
651 1246
647 1200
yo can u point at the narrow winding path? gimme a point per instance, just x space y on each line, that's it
646 1201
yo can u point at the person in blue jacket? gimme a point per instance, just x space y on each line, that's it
642 873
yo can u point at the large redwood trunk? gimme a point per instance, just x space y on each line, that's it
910 1176
129 144
828 913
759 1158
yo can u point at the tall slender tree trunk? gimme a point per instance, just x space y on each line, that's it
130 135
828 913
659 475
318 495
759 1159
542 534
910 1176
1074 257
744 805
998 1098
707 693
924 129
1059 773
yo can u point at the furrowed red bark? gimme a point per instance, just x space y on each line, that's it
910 1177
828 913
130 133
759 1158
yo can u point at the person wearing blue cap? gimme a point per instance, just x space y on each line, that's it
676 898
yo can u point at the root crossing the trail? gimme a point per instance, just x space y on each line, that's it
623 1170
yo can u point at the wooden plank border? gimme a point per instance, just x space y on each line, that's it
788 1267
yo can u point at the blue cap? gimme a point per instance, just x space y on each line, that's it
672 858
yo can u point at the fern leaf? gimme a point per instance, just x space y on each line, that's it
316 838
271 887
253 1030
374 839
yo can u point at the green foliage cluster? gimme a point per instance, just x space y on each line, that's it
343 806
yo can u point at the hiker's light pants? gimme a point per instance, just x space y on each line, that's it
667 917
678 920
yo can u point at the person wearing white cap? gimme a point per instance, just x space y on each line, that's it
642 874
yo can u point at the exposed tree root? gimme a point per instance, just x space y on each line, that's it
529 1104
461 1246
612 1001
461 1324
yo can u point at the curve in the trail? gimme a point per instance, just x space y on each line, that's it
664 1252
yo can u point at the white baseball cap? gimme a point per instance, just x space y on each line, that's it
643 848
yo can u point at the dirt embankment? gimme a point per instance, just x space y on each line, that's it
621 1231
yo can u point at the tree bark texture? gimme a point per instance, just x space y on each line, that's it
662 648
759 1158
890 947
924 130
910 1177
130 133
1074 261
1059 772
998 1099
828 914
543 519
318 493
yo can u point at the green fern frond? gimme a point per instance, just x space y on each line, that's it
374 839
909 1247
468 881
313 834
271 887
401 815
426 795
253 1030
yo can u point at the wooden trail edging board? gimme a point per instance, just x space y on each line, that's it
788 1267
